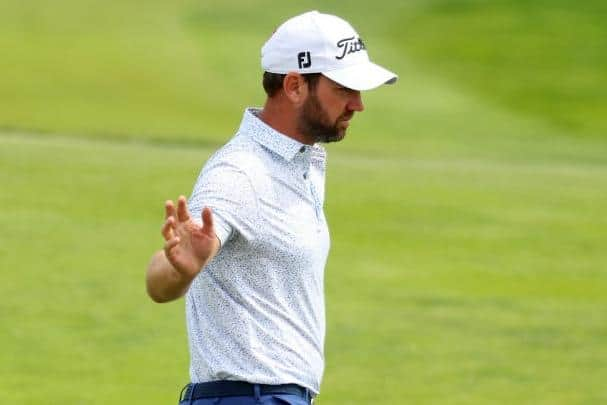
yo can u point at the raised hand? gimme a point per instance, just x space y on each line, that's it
188 246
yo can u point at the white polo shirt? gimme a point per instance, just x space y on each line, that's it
256 312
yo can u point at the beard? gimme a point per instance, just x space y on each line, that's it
314 122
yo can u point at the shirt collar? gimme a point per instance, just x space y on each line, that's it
267 136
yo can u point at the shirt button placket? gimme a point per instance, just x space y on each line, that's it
302 150
305 175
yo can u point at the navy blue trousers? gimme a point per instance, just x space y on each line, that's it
272 399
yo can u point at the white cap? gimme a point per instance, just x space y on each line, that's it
322 43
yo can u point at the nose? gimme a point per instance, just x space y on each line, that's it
356 102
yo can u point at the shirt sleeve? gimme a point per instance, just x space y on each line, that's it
228 192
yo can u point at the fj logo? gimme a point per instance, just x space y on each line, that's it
304 60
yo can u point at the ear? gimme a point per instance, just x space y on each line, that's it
295 88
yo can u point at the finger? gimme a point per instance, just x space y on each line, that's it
182 210
167 228
170 244
169 209
207 220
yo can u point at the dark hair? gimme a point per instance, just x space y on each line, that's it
272 82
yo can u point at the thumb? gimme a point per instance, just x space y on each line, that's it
207 221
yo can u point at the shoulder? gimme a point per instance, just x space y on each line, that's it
239 165
241 154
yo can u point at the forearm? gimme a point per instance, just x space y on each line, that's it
163 282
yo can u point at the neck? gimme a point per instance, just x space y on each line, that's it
283 118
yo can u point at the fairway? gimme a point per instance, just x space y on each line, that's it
487 276
467 215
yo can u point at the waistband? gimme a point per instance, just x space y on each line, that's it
212 389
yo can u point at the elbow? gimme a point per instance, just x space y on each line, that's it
152 283
161 282
156 296
160 295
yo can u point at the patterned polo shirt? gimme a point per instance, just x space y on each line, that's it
256 312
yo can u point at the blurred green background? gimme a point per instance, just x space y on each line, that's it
467 203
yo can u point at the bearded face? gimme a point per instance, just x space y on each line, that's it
314 121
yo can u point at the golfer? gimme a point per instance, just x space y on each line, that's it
249 249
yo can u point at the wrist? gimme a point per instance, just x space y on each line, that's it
182 277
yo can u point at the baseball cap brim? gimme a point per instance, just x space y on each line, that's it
362 76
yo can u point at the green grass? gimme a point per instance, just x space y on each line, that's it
449 281
178 70
466 204
539 58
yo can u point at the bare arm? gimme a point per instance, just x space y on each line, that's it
164 283
188 248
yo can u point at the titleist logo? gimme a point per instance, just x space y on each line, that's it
349 45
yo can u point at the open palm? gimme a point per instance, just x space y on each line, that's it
189 246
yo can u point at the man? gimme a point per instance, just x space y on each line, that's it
252 269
